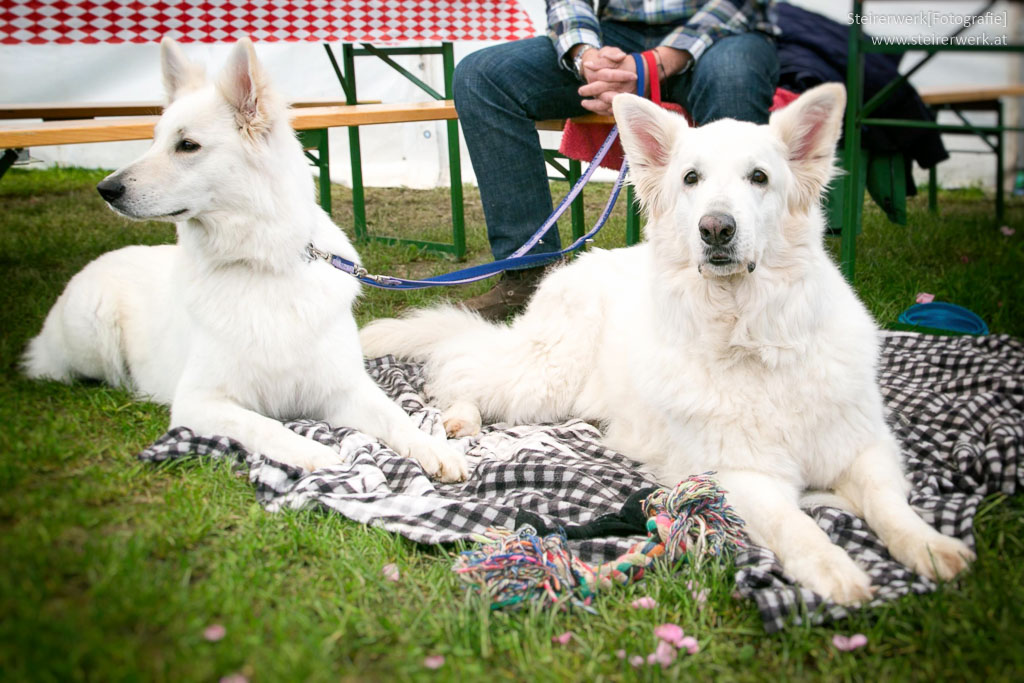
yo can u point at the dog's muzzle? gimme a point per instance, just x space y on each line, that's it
111 189
716 232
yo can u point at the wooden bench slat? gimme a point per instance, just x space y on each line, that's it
83 110
87 110
372 114
73 132
141 127
969 93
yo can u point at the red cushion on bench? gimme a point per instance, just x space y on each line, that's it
582 140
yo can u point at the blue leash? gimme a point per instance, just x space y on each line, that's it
519 257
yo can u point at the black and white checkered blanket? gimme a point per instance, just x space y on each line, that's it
957 404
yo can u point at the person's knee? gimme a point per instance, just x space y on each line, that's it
468 79
497 70
739 62
735 78
508 74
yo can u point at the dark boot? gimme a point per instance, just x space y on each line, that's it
509 296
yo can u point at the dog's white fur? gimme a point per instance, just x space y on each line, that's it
760 365
234 326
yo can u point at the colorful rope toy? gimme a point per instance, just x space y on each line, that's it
691 521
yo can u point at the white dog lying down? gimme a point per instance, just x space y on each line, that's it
235 326
727 341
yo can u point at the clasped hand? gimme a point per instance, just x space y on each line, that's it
608 72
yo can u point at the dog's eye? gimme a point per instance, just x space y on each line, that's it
759 177
187 146
691 178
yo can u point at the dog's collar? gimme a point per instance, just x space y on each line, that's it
346 266
312 254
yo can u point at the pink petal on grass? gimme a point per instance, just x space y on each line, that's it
214 632
925 298
621 654
664 654
390 571
847 644
672 633
234 678
699 595
636 661
690 644
1007 230
644 603
563 638
433 661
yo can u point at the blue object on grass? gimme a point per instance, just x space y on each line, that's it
944 316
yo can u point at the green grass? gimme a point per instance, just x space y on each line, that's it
112 569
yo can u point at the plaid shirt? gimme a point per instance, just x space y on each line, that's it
694 25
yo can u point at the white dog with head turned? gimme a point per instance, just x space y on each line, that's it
727 341
235 326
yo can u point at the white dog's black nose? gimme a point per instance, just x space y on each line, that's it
717 229
110 189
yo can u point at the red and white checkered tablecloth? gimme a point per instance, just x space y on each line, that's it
213 21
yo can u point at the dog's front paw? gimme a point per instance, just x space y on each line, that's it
312 456
461 419
439 460
833 575
936 557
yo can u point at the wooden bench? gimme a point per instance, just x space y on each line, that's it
969 94
311 119
964 98
66 111
116 127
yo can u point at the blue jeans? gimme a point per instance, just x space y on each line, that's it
501 91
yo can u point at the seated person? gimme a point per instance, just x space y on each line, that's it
715 58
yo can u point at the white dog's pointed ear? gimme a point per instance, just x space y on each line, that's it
810 128
180 75
649 134
243 83
648 131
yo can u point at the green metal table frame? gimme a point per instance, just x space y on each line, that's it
858 114
346 74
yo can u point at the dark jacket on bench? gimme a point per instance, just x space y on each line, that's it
813 49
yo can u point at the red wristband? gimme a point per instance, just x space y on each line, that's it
652 71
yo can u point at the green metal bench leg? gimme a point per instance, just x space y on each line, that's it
933 190
316 138
1000 173
632 218
358 194
355 155
324 162
576 210
454 159
853 199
